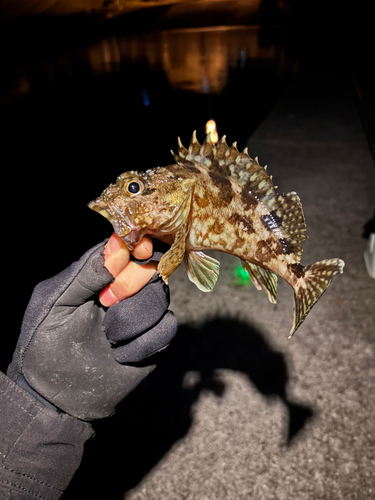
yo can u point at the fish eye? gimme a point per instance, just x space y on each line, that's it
133 187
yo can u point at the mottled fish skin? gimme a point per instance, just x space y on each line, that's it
219 199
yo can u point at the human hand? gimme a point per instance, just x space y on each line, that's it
129 276
72 344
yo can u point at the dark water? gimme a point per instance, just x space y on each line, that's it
73 117
165 83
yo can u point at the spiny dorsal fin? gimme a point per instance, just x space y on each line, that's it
228 161
285 210
224 159
202 154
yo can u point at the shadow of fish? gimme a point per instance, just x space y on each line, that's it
217 198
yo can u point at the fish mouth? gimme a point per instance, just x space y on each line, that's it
100 207
122 229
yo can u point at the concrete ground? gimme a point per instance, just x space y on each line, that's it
238 411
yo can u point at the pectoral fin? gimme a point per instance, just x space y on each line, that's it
262 278
173 258
202 270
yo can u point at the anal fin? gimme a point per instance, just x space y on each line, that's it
201 270
262 278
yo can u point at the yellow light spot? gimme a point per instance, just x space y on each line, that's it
211 130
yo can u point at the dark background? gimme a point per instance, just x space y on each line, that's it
67 131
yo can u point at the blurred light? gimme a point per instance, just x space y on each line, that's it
211 129
205 85
145 98
241 277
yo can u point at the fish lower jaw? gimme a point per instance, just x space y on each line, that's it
122 230
131 238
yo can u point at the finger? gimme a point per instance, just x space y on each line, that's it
143 250
117 255
137 314
128 282
150 342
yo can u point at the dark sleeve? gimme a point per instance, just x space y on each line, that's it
40 449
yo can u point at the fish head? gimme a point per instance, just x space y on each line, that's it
142 203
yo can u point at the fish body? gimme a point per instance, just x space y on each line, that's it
216 198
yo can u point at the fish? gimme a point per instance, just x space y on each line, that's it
216 198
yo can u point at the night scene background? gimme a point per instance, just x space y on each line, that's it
90 89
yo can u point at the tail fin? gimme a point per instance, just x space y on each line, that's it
311 286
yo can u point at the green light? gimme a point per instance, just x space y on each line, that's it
241 277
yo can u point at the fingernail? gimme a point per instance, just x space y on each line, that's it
107 297
147 245
113 244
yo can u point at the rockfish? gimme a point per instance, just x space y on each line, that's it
216 198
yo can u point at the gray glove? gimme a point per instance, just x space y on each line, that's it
70 349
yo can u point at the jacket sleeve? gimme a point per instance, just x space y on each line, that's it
40 448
